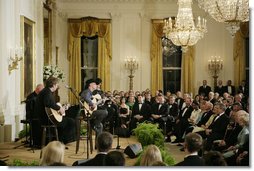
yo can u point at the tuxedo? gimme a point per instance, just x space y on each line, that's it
160 109
173 110
183 123
179 101
204 90
204 118
172 115
227 89
192 160
218 127
142 109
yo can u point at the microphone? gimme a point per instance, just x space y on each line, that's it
66 86
69 87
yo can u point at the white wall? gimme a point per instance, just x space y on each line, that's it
217 42
10 12
131 35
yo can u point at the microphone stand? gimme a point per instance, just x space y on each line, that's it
88 124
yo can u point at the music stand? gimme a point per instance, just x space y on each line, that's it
88 122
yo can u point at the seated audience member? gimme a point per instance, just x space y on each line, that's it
179 100
242 138
52 153
182 122
217 128
192 144
140 112
103 144
172 112
214 158
230 137
159 112
111 120
115 158
151 155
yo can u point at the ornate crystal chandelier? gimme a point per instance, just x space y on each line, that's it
231 12
168 47
182 31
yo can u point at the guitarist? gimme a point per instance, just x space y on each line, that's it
97 115
45 98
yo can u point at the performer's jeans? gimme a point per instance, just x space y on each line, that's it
97 118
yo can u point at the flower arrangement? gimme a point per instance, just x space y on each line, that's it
53 71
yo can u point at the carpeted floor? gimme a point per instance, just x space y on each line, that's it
8 151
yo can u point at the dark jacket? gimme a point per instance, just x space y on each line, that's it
194 160
204 90
98 160
45 99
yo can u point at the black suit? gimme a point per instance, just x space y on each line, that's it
219 90
194 160
173 109
244 90
179 101
232 90
163 111
204 90
204 118
172 115
183 123
218 127
98 160
144 111
35 128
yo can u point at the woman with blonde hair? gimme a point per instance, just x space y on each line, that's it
151 155
52 153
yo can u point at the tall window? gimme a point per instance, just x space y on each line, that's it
89 58
172 59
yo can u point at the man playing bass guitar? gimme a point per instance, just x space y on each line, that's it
96 115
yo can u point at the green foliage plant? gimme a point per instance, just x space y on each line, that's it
148 133
18 162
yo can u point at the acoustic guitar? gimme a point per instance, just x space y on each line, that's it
96 99
54 116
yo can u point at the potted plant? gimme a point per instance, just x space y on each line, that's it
148 133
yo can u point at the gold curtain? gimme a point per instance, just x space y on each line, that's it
89 27
187 76
156 56
239 53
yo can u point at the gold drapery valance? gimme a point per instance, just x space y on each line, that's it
89 27
156 62
240 53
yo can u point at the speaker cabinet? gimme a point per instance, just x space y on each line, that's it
133 150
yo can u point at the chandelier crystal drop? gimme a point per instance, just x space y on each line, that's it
182 31
231 12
